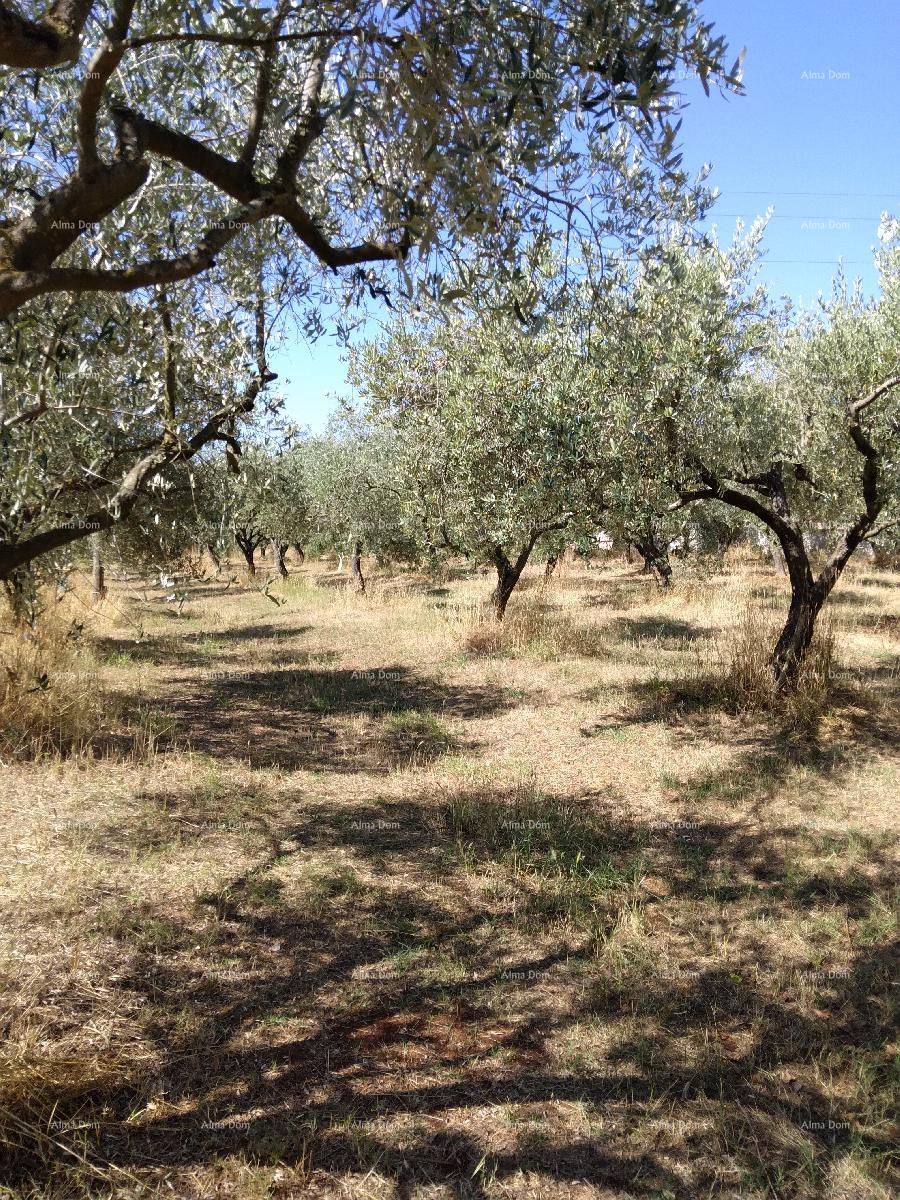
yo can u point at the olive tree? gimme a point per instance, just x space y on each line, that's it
788 418
101 400
490 418
358 494
283 506
154 154
143 138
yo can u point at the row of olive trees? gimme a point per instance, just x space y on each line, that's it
340 492
173 178
663 388
659 390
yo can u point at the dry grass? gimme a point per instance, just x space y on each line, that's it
47 688
384 906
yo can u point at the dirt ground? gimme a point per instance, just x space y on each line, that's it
353 897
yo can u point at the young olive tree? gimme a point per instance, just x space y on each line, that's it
359 497
794 423
246 501
284 510
491 421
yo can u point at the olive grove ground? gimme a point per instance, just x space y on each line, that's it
356 896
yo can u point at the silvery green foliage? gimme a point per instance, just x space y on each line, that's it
358 489
311 146
356 130
267 494
92 386
714 381
490 420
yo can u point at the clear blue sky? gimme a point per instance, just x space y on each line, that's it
815 137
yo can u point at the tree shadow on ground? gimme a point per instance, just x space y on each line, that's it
621 593
875 581
162 650
321 718
659 629
883 623
863 700
439 992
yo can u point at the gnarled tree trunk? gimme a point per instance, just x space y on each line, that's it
508 575
278 549
247 547
98 580
656 559
298 550
356 568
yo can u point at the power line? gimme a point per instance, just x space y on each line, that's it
776 192
798 217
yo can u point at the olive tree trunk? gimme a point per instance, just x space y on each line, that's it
98 578
247 547
508 575
656 560
278 549
356 568
808 595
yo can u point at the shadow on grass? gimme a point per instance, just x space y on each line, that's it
658 629
875 581
620 593
862 699
432 993
883 623
322 718
187 651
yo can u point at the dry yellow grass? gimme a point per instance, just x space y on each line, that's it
363 897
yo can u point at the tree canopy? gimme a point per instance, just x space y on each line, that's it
359 130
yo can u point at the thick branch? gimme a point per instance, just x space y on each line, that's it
17 287
58 219
309 123
234 178
46 43
339 256
263 89
858 405
873 500
248 42
715 489
120 504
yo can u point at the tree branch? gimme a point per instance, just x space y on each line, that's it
234 178
309 124
263 89
101 66
120 504
858 405
18 286
248 42
49 42
873 500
